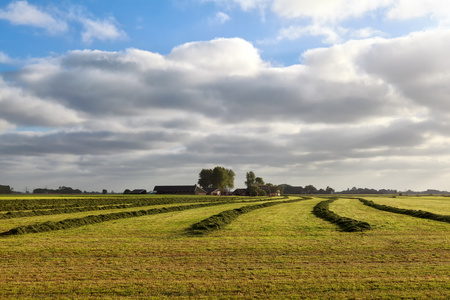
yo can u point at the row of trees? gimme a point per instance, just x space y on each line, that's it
60 190
223 179
355 190
219 178
308 189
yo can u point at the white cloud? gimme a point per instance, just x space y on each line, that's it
325 11
58 22
330 18
220 18
23 13
100 29
5 59
411 9
221 56
331 35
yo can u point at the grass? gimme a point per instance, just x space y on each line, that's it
282 251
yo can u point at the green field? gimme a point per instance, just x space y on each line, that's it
282 251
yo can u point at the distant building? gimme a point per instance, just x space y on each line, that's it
212 191
179 189
241 192
5 189
293 190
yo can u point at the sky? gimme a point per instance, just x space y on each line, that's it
131 94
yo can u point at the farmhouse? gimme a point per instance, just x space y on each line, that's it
179 189
212 191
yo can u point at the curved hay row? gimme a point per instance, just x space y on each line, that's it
94 219
410 212
224 218
322 210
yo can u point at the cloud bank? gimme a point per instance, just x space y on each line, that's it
374 108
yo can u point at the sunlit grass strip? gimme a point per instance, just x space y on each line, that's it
224 218
322 211
94 219
410 212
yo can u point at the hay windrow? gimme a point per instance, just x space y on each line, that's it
322 211
94 219
410 212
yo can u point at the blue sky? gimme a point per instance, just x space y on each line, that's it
330 93
159 26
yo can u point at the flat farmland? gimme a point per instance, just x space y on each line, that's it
280 251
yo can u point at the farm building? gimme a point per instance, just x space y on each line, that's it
179 189
212 191
138 191
241 192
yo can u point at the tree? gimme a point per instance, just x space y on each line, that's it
309 189
231 175
253 190
329 190
104 191
220 178
250 176
259 181
205 178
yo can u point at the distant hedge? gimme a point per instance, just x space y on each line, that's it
93 219
410 212
322 211
224 218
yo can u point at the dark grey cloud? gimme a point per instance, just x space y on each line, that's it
84 143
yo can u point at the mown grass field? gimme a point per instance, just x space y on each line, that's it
278 252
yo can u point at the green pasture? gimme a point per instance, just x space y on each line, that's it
277 252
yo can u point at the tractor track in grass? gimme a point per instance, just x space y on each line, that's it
410 212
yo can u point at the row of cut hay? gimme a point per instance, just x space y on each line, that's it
70 210
224 218
13 206
322 211
410 212
94 219
65 210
